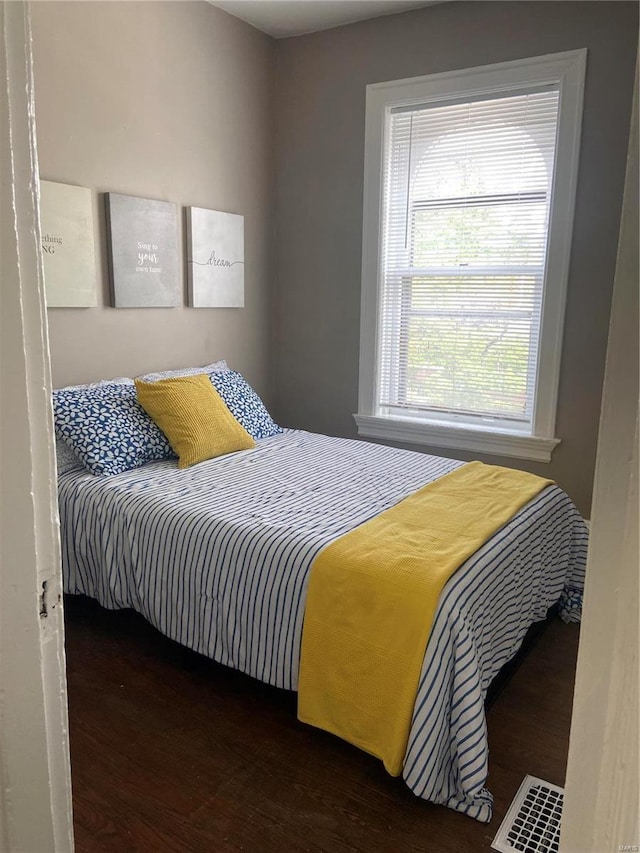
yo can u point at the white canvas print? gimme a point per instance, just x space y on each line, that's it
215 247
68 249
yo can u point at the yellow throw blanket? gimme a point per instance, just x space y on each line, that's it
373 595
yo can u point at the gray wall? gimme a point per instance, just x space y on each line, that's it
320 85
170 101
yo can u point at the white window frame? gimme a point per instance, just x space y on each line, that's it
566 71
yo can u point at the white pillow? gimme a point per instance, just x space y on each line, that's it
216 367
66 459
119 380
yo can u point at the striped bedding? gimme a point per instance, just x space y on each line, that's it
217 557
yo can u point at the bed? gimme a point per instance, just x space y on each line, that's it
217 557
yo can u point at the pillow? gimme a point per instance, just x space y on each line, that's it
107 428
66 459
185 371
193 417
244 404
120 380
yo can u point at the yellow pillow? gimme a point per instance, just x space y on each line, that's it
193 416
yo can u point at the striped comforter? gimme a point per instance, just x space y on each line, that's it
218 556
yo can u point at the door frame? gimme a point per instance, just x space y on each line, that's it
602 791
35 778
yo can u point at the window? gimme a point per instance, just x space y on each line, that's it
469 187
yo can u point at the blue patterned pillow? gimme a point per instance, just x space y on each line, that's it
244 404
107 428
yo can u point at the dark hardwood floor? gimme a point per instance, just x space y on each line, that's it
171 752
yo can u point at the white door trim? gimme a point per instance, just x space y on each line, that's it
35 793
602 790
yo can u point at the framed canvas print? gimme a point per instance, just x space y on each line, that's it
215 255
142 242
68 248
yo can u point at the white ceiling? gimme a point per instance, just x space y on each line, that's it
283 18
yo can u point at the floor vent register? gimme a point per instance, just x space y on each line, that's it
532 823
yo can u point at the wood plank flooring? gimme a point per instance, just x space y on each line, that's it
171 752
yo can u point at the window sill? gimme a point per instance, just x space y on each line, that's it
478 440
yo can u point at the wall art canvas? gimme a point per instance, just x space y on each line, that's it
144 264
215 258
68 248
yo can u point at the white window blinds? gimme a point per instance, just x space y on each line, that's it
466 198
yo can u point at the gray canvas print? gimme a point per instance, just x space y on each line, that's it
144 266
